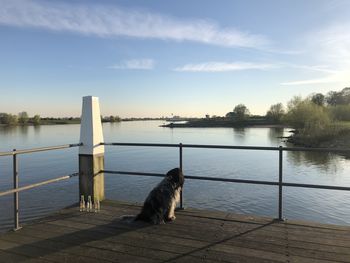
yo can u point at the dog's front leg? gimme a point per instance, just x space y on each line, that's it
170 216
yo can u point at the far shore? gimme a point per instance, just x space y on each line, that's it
225 123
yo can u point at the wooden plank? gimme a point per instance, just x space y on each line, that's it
274 247
195 236
14 258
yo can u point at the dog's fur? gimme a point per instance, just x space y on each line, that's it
160 204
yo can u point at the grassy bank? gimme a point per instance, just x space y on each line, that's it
335 135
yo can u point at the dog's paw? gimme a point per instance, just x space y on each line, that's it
172 218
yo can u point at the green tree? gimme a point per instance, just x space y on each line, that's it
231 115
276 112
23 117
36 119
340 112
8 119
12 119
241 112
306 115
4 118
342 97
318 99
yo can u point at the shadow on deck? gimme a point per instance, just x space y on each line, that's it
195 236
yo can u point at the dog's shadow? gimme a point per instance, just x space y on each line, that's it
59 244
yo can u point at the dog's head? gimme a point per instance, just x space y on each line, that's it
175 176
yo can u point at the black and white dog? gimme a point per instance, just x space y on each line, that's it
160 204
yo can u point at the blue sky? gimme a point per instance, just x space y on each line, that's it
154 58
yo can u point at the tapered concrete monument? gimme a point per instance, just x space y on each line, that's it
91 152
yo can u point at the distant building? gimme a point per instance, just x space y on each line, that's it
207 116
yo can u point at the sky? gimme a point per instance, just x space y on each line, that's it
157 58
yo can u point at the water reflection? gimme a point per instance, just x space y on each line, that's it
7 129
239 134
37 129
327 162
275 135
23 130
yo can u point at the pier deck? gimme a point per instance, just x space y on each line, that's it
195 236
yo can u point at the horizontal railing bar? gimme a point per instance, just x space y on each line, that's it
141 144
220 179
133 173
230 147
317 186
27 187
190 146
40 149
194 177
209 146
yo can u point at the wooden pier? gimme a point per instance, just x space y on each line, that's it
195 236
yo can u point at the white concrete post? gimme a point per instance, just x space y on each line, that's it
91 153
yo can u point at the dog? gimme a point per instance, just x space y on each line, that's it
159 206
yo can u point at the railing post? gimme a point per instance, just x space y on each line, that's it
180 159
15 195
280 180
91 152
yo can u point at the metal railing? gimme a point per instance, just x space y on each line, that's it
17 189
278 183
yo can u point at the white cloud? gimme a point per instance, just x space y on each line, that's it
342 77
145 64
223 66
330 48
97 20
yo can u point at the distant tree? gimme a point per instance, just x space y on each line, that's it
335 98
23 117
36 119
231 115
111 118
241 112
4 118
8 119
12 119
319 99
276 112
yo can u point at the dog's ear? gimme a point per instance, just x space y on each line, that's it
176 176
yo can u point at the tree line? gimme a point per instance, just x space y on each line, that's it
23 118
20 118
316 108
316 118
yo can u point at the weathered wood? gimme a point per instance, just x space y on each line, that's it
195 236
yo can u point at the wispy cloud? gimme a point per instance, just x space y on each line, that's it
223 66
341 76
330 48
102 21
143 64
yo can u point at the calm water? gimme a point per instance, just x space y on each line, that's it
307 204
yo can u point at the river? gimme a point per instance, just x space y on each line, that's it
327 206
